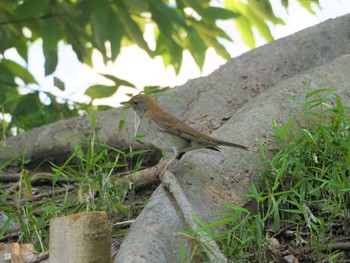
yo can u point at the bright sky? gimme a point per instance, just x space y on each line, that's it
135 66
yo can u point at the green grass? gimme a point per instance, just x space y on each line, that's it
86 181
303 195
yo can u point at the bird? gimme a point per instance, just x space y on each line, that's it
168 133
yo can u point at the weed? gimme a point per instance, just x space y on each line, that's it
87 181
303 194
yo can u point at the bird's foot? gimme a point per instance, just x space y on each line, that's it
161 170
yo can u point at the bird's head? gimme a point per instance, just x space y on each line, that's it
142 104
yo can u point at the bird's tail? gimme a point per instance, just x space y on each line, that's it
231 144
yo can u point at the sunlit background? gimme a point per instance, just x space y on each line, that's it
134 65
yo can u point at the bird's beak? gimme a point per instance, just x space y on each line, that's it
126 103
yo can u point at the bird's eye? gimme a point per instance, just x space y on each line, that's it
135 102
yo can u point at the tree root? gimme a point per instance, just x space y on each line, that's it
209 245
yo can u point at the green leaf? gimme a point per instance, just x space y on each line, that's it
257 19
236 208
262 10
170 51
22 49
93 121
154 91
317 91
31 9
285 3
58 83
161 43
287 128
164 12
26 113
121 125
282 133
219 48
246 31
255 15
262 150
308 5
5 226
27 183
182 252
51 34
209 29
196 5
176 55
115 33
213 13
78 38
198 220
164 23
7 78
131 28
8 96
264 30
276 214
196 47
280 173
99 25
100 91
118 82
17 71
137 6
348 157
51 60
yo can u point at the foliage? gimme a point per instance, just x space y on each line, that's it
107 26
302 196
89 180
23 112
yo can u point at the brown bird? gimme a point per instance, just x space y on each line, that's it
168 133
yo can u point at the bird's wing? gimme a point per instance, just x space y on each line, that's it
165 124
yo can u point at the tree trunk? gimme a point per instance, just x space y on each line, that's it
210 178
224 102
205 103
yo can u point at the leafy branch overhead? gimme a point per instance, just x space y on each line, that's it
109 25
87 25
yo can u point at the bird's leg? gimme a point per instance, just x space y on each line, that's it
165 167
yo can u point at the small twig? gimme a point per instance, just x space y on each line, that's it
34 178
336 246
124 223
54 192
9 236
9 177
140 178
38 257
209 245
43 177
283 230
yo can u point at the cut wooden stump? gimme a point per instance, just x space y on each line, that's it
10 253
20 253
83 237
